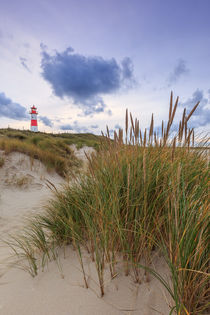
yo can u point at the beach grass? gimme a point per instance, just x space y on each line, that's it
53 150
79 139
143 192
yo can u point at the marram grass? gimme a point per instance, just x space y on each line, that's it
53 150
142 192
53 154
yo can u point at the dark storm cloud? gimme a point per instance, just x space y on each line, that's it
46 121
84 79
10 109
179 70
201 116
23 62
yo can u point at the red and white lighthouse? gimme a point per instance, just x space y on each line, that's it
34 113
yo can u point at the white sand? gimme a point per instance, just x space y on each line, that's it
61 291
83 153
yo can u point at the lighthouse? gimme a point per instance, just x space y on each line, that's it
34 113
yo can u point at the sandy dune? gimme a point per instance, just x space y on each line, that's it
60 290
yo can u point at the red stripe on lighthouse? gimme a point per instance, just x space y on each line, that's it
33 122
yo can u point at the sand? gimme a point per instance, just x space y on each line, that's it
60 290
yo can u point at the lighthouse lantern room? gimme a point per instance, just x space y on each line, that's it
34 113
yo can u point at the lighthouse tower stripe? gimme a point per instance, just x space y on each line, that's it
33 122
34 113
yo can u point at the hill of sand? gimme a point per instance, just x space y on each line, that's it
59 290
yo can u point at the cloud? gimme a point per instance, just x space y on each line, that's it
179 70
10 109
24 64
46 121
109 112
43 46
84 79
66 127
94 126
74 127
6 35
201 115
117 126
26 45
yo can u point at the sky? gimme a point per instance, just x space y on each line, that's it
83 62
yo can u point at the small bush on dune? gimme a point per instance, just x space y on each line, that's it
16 135
141 192
35 139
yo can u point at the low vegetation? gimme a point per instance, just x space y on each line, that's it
80 139
52 149
1 161
143 193
20 181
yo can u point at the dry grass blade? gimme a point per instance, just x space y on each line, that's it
162 128
51 186
145 137
107 130
179 133
170 121
131 134
141 142
192 111
151 129
126 125
173 148
132 124
155 139
185 131
188 137
120 136
174 110
115 137
182 125
136 132
171 106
